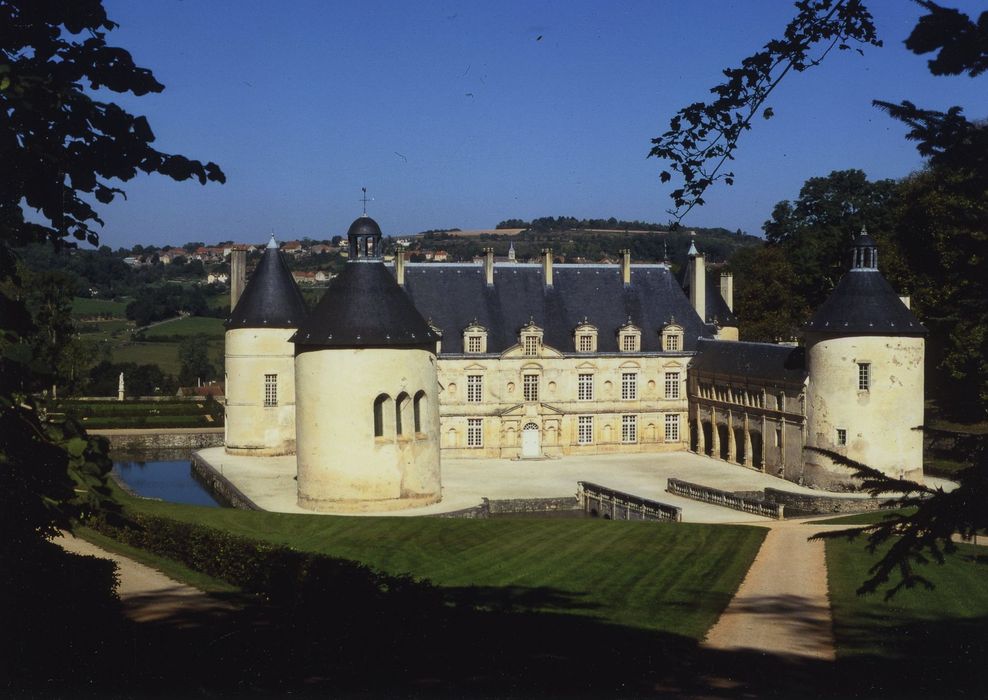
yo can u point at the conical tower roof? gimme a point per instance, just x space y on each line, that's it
863 302
271 298
364 306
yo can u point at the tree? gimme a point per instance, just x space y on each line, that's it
61 148
941 230
193 354
816 230
765 300
704 136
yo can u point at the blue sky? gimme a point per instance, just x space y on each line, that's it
455 114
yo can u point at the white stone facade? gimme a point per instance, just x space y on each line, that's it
260 391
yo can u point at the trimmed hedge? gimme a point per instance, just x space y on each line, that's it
321 585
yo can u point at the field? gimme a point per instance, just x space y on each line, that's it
187 326
926 642
163 354
82 306
669 577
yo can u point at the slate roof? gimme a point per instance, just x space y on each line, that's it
764 361
454 295
271 298
365 307
716 306
863 302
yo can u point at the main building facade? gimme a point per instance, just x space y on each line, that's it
535 361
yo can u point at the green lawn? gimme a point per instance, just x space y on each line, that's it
165 355
187 326
669 577
926 641
83 306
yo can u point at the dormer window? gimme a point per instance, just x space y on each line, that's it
475 338
672 337
629 337
585 337
530 339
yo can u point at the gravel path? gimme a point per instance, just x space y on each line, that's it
782 606
147 595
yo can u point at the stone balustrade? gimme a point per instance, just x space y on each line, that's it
726 499
617 505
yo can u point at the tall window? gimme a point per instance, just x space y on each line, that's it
531 345
473 343
475 388
585 430
475 432
841 436
419 401
270 389
629 428
672 385
379 404
530 387
629 343
672 427
629 386
781 400
672 343
585 343
864 376
402 404
585 387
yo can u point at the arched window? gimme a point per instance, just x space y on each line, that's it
402 404
379 404
419 407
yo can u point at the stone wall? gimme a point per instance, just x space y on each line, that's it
811 504
133 440
219 486
490 507
698 492
617 505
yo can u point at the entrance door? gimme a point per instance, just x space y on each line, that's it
531 441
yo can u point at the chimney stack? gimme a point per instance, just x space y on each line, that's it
626 267
547 266
400 265
238 274
489 266
698 282
727 289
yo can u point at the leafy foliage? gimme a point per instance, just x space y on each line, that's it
924 533
703 136
57 142
193 353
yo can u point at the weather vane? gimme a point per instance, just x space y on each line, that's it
364 199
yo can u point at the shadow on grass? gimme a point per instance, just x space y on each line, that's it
457 642
919 657
456 645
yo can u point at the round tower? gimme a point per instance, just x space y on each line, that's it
865 352
260 361
366 388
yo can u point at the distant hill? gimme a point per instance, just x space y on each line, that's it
587 240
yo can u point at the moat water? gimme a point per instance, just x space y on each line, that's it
166 475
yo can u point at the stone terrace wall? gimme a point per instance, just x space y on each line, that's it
726 499
811 504
137 440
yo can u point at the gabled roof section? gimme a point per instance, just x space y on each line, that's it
365 307
271 298
453 295
765 361
863 302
